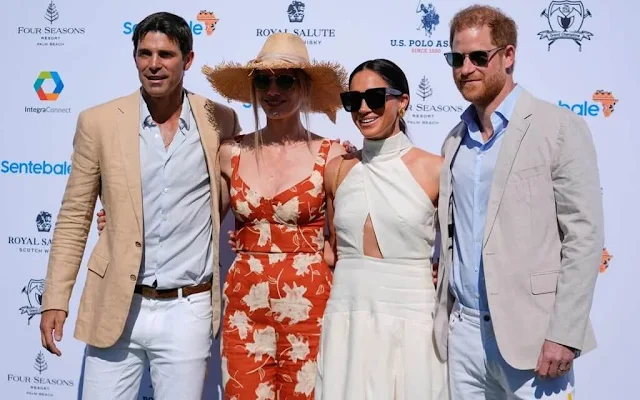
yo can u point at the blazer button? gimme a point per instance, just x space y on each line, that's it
138 244
133 277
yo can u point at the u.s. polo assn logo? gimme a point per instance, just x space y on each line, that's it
565 18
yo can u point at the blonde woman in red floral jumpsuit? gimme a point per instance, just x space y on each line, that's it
279 283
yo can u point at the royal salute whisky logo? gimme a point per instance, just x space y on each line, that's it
427 111
38 243
432 40
33 290
296 13
565 19
52 30
43 221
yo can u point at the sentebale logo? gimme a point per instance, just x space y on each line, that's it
48 96
586 109
34 168
208 18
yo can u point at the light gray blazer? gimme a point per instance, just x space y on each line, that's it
543 235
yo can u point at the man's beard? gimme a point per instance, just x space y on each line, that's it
491 88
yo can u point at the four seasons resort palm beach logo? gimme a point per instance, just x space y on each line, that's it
51 28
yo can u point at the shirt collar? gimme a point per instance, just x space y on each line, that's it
185 114
500 117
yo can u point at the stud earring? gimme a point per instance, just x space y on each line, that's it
401 112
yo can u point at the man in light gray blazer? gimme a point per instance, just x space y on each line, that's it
521 220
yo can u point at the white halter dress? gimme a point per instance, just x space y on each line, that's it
377 330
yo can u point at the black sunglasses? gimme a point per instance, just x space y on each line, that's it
375 98
479 58
283 81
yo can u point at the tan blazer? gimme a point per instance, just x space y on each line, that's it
543 235
106 162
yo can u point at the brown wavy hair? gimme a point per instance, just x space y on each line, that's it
503 29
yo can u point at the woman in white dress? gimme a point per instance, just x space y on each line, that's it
377 329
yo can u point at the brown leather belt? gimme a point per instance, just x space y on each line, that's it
153 293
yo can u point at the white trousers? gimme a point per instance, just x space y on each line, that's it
478 371
173 335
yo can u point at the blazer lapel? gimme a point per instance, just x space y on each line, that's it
516 130
444 201
202 110
129 137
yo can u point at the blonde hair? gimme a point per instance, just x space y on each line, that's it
305 86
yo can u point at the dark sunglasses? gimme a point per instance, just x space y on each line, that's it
283 81
479 58
375 98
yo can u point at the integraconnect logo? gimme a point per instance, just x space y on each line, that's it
48 87
39 384
34 168
208 18
37 241
46 33
48 96
426 43
604 103
296 15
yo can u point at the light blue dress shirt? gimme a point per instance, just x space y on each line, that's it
472 174
176 204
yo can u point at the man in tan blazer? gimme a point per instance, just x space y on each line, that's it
520 213
152 288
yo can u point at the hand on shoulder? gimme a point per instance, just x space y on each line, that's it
336 150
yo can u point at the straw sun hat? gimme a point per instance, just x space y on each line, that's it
282 51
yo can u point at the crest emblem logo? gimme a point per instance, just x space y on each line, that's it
33 290
43 221
296 11
429 18
565 18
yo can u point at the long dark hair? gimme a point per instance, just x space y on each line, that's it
391 73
